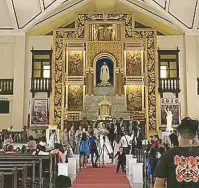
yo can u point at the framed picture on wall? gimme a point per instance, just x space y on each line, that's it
40 112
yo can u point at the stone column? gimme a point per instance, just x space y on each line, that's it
19 71
191 50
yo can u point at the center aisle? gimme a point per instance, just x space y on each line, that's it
101 178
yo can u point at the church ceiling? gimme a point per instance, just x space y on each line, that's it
41 16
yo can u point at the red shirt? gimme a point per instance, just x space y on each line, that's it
156 143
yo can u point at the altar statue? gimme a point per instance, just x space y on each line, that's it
169 118
104 74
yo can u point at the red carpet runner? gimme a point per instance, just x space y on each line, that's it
101 178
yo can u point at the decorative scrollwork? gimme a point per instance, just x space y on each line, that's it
150 36
59 44
113 48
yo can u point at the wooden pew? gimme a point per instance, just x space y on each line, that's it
23 173
1 180
19 158
23 164
13 174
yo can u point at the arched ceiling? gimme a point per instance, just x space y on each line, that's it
38 17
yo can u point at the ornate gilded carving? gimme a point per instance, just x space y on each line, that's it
66 34
104 32
59 44
133 63
75 63
150 36
134 97
75 97
127 18
95 48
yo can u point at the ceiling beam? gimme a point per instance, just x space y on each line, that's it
167 15
12 15
196 21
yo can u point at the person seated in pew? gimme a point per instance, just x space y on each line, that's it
32 145
10 150
39 151
59 151
43 144
63 182
23 149
7 141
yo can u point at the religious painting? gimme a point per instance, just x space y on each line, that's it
75 97
170 111
134 63
40 112
134 97
75 63
105 32
104 72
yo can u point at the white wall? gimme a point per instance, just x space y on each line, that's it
12 61
191 47
7 50
16 62
171 43
37 43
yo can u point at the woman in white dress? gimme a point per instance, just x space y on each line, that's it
72 138
105 145
52 139
78 135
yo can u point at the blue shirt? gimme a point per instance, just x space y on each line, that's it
92 143
84 147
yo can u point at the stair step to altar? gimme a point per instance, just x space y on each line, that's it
104 91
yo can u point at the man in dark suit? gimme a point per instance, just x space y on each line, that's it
174 139
120 127
111 134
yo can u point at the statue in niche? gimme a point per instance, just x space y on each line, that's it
104 72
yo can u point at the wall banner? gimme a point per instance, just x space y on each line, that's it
40 112
170 107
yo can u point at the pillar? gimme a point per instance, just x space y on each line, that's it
191 76
19 71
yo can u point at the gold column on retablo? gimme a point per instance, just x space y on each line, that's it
87 82
91 80
122 82
116 82
119 83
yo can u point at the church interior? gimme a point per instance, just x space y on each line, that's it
69 65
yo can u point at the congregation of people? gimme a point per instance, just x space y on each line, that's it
109 142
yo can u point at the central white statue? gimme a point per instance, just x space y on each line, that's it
104 74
